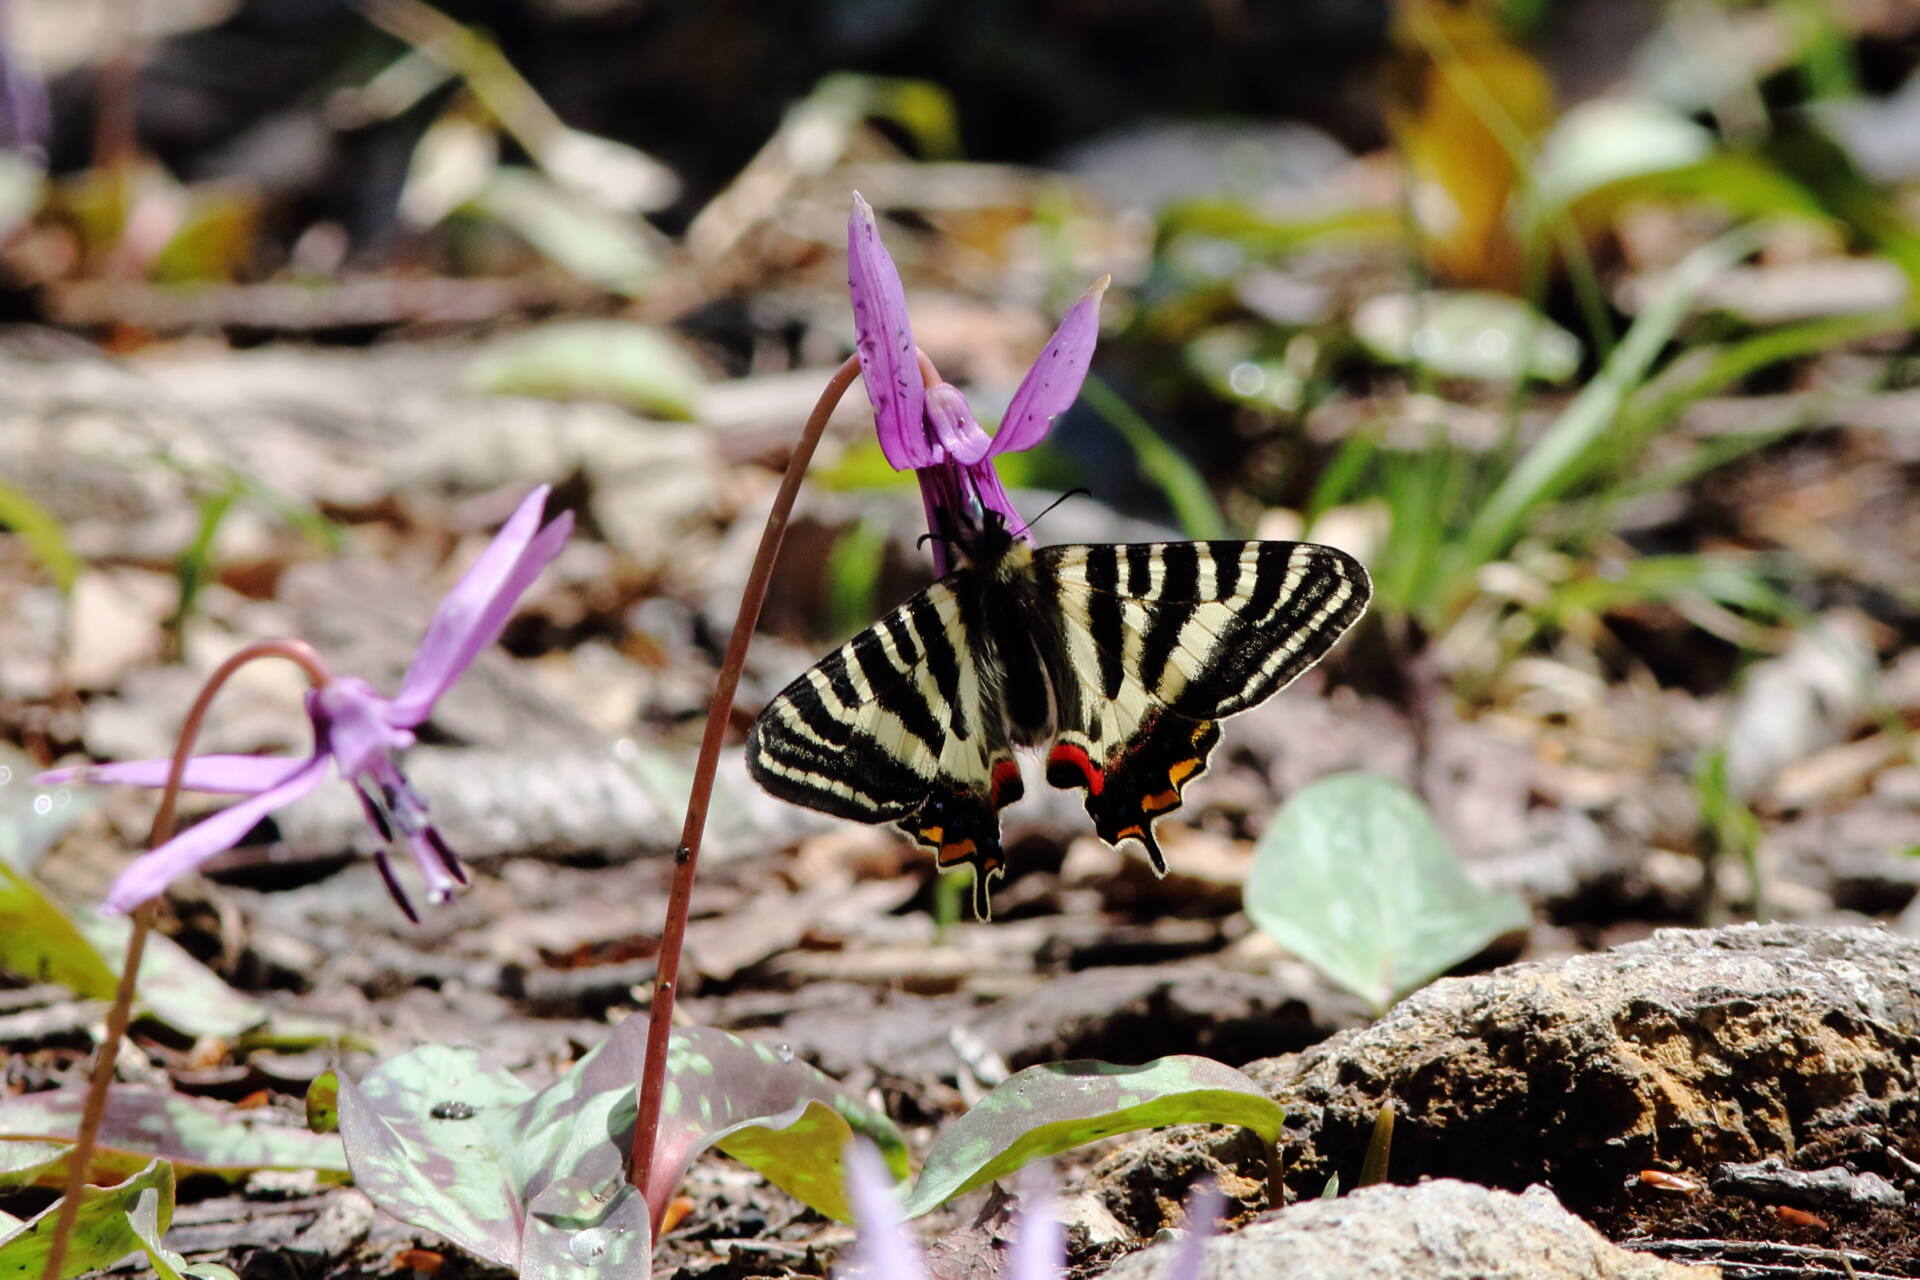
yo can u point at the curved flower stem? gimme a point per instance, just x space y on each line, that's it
653 1075
296 651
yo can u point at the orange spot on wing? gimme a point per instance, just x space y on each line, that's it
959 851
1182 771
1164 800
1134 832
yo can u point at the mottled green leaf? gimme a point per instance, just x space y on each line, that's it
721 1091
44 1164
1061 1105
199 1135
174 987
616 360
82 950
102 1231
1465 333
38 942
1354 878
323 1103
144 1220
575 1230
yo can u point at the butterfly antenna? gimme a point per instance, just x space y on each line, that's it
1075 492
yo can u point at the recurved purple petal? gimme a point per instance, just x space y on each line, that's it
217 775
476 610
1053 383
959 436
885 339
153 871
883 1250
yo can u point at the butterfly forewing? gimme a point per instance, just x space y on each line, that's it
1166 640
1205 629
900 724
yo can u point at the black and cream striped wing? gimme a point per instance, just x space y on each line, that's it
900 724
1161 641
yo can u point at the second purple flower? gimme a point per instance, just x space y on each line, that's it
356 729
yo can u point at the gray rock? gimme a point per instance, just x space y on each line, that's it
1442 1230
1685 1051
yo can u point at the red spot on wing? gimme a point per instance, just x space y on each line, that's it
1005 773
1075 757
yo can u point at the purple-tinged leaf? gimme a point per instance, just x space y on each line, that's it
1053 384
536 1182
174 987
1057 1106
429 1136
197 1135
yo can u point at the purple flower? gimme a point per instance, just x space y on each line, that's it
884 1251
929 430
356 729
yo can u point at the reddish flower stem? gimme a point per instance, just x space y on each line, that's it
653 1075
296 651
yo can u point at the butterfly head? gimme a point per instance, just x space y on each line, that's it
992 544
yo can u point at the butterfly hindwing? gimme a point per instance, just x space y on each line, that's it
900 724
1159 642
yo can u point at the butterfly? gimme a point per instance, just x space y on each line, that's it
1121 660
